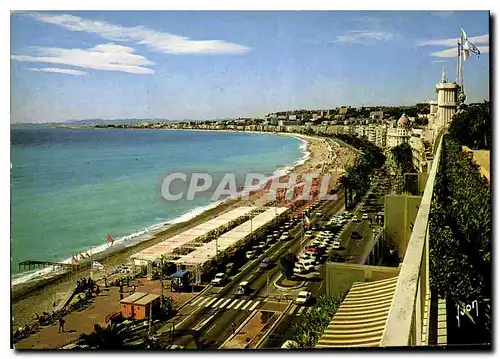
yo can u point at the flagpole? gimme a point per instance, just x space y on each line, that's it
458 62
91 265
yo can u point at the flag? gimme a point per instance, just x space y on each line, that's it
75 260
110 239
467 47
307 221
97 265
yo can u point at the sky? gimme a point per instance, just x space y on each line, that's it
180 65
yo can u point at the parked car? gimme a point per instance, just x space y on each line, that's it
336 245
365 216
250 254
303 297
356 219
219 279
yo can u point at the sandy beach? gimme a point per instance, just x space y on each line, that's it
30 301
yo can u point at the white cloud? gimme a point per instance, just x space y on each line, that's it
155 40
108 57
364 36
482 39
59 70
453 52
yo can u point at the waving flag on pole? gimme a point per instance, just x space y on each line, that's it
467 46
110 239
75 260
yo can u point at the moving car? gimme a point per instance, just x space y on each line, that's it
303 297
243 288
264 264
219 279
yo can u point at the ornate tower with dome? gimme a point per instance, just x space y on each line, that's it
399 132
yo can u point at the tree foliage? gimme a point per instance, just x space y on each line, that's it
472 126
403 157
460 229
307 332
357 177
287 263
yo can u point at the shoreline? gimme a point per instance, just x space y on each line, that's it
35 297
100 251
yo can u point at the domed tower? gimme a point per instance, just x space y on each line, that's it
403 121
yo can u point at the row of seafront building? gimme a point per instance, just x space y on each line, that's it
384 132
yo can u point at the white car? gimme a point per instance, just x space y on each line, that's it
336 245
303 297
308 263
250 254
301 268
219 279
365 216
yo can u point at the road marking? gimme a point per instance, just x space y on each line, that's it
246 305
224 304
212 327
299 312
292 309
180 323
217 303
201 325
233 303
197 300
210 302
254 306
239 304
205 299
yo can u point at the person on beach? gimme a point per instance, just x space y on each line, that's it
61 324
233 327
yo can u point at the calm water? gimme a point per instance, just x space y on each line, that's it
70 188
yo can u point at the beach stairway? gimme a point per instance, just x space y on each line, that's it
66 300
361 318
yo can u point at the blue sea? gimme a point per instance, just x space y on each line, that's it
70 188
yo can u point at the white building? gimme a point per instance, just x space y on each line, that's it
381 136
399 132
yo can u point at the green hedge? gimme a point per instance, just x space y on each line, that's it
460 229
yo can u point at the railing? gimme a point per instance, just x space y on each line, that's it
407 318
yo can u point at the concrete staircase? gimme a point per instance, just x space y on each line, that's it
361 318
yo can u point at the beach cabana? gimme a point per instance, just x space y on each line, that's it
189 237
144 306
180 280
230 239
127 304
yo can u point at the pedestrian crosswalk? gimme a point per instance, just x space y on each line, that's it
298 310
226 303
